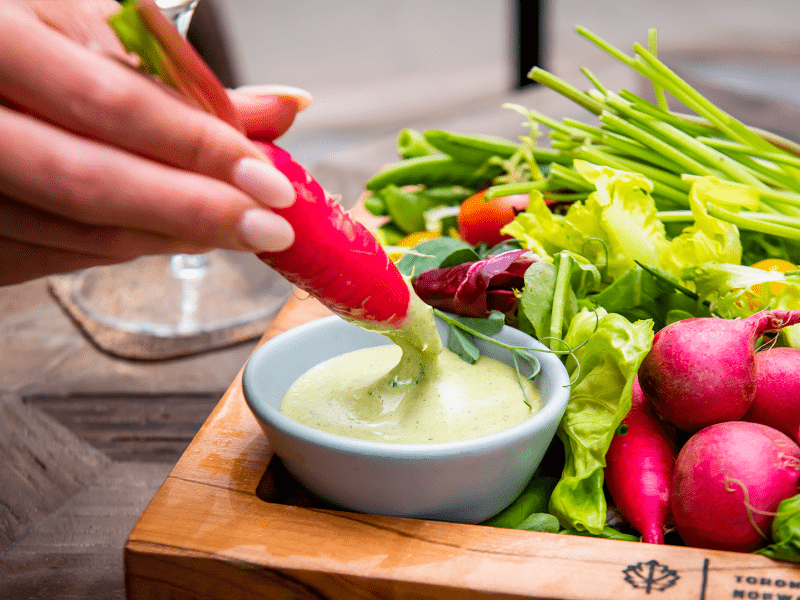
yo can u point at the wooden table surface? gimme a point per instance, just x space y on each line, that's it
85 441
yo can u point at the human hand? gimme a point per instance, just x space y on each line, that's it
100 164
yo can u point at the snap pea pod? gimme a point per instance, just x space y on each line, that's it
535 498
477 149
451 195
376 205
541 522
407 207
435 170
470 149
411 144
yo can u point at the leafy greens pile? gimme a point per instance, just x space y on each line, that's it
647 217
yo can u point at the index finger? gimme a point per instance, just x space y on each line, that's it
52 77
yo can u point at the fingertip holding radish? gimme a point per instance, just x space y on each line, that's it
702 371
729 480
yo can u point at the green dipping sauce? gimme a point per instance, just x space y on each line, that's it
412 392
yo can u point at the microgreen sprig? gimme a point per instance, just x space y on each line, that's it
463 330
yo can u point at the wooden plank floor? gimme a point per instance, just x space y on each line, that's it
131 427
85 442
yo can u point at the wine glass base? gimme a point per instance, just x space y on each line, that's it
133 310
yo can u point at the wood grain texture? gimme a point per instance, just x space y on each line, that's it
129 426
42 465
207 534
75 553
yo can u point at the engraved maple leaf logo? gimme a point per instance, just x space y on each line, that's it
650 575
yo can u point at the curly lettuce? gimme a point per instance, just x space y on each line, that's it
609 351
618 226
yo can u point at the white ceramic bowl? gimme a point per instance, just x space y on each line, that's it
465 481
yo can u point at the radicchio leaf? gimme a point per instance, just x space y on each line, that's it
474 289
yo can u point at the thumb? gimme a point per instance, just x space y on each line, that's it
267 111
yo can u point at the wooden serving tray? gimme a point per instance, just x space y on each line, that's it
224 525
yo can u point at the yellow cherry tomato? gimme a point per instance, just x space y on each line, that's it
412 240
420 236
773 264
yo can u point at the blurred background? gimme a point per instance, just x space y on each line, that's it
375 67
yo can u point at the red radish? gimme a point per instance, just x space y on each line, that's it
333 257
183 68
639 466
702 371
729 479
777 398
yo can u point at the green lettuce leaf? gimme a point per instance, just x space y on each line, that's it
707 239
736 291
610 350
614 227
617 225
785 532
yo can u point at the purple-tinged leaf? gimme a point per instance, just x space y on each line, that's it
476 288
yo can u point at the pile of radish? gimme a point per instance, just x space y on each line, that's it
737 409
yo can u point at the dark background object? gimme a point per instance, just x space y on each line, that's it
208 35
529 37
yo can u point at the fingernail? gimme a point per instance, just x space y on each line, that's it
264 231
302 97
263 182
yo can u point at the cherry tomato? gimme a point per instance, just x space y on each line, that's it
412 240
480 220
773 264
420 236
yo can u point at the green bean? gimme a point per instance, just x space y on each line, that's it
449 195
470 149
507 189
411 143
539 75
634 150
545 156
742 221
689 164
376 205
533 499
432 171
664 184
572 179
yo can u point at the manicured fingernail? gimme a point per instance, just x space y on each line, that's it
264 183
302 97
262 230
